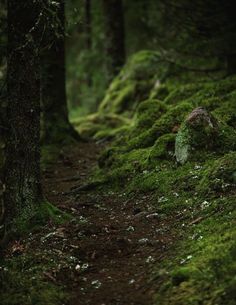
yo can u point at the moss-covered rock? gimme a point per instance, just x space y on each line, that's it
199 131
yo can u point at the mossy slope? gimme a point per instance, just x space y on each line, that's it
133 85
202 268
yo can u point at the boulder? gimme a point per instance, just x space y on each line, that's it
199 131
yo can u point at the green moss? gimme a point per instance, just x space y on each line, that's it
220 177
148 113
119 99
111 133
201 268
182 93
226 110
33 219
205 263
98 124
132 85
160 92
170 120
184 274
23 281
163 147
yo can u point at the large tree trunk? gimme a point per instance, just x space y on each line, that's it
56 126
22 195
115 36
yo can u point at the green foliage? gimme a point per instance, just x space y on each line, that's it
31 219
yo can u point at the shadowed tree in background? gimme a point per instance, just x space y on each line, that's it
115 36
56 125
206 36
22 195
88 33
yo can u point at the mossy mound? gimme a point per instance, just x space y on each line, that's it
159 91
134 83
163 147
99 125
132 86
202 132
201 269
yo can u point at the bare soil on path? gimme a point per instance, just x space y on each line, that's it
116 243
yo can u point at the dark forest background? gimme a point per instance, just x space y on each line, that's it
117 119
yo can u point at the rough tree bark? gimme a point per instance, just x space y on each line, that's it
22 195
115 36
56 126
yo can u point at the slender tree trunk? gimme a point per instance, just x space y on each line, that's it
22 194
88 24
115 36
231 64
56 125
88 34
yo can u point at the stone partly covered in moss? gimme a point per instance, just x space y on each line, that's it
200 130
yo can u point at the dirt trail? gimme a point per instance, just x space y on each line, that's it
118 240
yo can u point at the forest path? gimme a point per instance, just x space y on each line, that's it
117 241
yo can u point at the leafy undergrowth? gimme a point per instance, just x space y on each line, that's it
200 189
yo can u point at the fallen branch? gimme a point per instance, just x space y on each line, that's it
83 188
196 221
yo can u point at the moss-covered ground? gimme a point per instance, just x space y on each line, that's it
181 163
201 190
